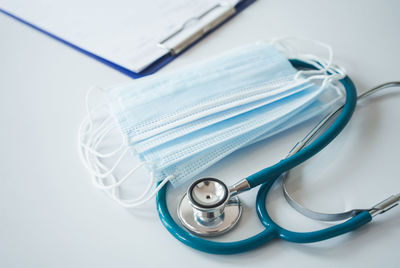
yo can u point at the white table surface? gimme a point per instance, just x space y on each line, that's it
52 216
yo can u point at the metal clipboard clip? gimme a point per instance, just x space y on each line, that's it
190 32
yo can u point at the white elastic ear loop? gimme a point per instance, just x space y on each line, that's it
90 150
104 155
86 160
323 65
100 184
90 156
125 177
86 130
95 169
102 127
144 197
107 129
130 203
133 203
283 42
95 141
88 135
87 123
90 139
327 71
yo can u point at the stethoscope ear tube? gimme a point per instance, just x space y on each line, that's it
380 208
319 143
305 237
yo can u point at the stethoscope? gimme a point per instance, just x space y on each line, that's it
210 207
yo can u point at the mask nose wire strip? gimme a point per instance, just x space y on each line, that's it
313 133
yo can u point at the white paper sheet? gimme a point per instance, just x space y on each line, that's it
125 32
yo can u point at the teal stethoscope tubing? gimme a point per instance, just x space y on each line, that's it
267 177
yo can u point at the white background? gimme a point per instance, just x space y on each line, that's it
51 216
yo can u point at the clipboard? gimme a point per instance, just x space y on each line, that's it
174 44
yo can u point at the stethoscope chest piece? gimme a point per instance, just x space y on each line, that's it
208 209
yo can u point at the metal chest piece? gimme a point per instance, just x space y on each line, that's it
208 208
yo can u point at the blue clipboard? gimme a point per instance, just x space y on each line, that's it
153 67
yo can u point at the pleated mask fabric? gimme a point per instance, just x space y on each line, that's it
181 123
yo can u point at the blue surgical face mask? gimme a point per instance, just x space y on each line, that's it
181 123
197 91
217 141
